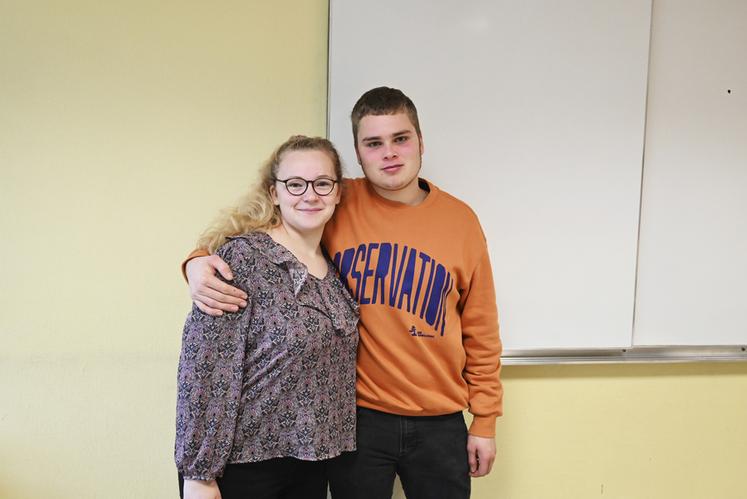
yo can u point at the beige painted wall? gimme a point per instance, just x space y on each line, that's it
123 128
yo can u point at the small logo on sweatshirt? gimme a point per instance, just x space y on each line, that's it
414 332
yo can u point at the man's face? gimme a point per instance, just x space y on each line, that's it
390 152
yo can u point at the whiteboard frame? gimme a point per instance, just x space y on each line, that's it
633 355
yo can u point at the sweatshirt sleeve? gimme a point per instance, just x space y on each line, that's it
209 382
482 345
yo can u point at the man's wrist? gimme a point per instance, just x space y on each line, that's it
483 426
195 253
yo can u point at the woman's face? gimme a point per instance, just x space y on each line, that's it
309 211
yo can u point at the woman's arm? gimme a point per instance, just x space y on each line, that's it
210 379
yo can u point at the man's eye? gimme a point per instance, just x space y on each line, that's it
402 138
373 144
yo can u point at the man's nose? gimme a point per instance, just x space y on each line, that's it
389 151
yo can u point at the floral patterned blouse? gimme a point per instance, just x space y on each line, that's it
276 379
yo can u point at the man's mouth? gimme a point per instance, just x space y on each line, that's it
392 168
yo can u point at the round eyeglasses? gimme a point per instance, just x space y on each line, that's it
297 186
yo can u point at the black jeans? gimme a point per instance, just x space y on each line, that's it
429 453
280 478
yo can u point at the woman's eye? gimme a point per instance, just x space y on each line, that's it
295 185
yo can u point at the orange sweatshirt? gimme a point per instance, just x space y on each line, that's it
429 341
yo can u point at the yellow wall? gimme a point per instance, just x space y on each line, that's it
124 126
622 432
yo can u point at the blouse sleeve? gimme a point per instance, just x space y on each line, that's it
209 378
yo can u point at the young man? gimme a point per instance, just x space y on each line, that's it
416 260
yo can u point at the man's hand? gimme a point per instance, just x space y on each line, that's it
201 489
481 454
210 294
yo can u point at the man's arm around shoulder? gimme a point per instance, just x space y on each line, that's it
211 295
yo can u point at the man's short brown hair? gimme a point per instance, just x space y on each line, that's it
380 101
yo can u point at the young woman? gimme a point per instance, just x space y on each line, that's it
267 394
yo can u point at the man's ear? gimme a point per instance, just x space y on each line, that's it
357 154
422 145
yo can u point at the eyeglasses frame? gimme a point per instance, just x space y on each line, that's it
307 183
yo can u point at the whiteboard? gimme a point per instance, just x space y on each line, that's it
533 113
692 285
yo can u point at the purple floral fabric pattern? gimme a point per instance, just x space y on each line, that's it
276 379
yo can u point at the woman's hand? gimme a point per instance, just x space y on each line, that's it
201 489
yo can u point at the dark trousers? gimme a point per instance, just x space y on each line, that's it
429 453
280 478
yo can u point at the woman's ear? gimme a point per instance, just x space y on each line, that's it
338 194
274 195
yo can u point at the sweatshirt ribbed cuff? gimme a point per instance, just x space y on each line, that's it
483 426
